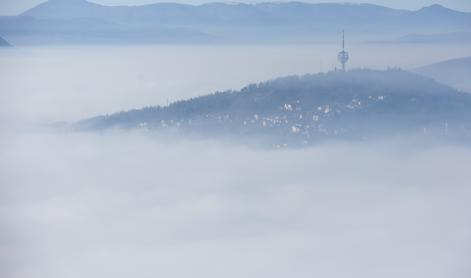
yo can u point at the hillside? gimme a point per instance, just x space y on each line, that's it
4 43
455 72
459 37
354 105
80 21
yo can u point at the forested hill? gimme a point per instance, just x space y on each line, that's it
302 109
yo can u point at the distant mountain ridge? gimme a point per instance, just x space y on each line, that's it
302 110
75 20
457 37
454 72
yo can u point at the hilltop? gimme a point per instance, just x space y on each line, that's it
304 109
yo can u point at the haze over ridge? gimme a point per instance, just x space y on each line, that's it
15 7
82 22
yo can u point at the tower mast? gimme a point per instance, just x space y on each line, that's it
343 55
343 40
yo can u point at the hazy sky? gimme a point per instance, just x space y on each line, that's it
12 7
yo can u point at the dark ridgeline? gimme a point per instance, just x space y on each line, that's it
358 104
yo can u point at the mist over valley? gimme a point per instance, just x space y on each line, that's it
213 140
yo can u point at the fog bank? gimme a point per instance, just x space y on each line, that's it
121 205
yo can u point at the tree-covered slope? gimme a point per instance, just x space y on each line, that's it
352 105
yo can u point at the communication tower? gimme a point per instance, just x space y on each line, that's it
343 55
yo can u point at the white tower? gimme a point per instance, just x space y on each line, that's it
343 55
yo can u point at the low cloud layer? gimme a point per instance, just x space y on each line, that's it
123 205
127 205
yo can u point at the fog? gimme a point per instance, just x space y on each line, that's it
121 205
71 83
124 204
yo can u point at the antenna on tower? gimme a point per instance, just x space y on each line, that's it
343 40
343 55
